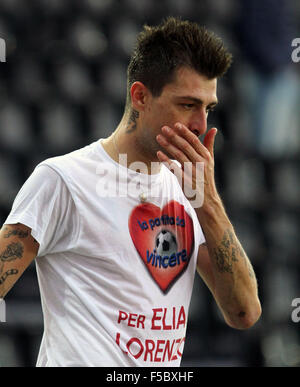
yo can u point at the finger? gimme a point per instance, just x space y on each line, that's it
209 140
172 149
170 164
192 139
181 143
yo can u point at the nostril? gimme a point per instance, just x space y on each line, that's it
196 132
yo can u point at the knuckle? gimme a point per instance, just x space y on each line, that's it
185 146
195 140
207 154
177 154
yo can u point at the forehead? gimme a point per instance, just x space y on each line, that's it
189 82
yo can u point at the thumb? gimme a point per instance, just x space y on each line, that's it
209 140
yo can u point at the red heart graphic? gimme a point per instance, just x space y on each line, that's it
153 230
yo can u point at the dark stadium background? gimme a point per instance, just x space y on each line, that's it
63 86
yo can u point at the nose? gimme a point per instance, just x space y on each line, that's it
198 122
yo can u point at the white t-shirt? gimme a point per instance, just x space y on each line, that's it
115 272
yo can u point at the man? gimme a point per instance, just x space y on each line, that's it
117 245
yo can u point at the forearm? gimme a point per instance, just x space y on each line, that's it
17 249
235 285
9 253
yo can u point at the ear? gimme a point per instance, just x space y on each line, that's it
139 96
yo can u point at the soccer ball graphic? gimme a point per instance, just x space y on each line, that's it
165 243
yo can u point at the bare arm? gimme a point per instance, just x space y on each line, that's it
227 271
17 250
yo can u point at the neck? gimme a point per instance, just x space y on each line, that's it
125 140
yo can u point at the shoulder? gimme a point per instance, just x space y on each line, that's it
70 163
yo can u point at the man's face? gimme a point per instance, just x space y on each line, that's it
187 100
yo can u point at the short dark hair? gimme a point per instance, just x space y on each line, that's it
163 49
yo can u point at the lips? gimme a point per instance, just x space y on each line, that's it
146 222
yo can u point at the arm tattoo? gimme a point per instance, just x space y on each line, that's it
134 115
17 232
12 252
7 273
227 253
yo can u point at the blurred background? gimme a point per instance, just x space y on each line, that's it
63 86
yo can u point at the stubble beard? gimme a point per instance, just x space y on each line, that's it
149 146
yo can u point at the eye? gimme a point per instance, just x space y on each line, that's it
209 109
188 106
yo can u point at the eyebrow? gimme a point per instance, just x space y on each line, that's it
198 101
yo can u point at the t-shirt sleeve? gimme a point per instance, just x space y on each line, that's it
45 204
